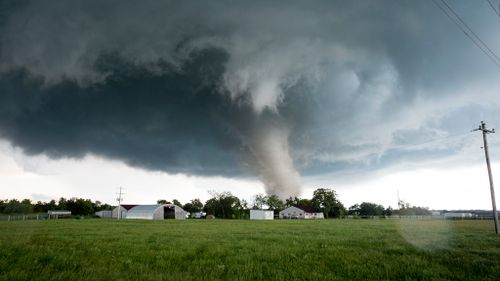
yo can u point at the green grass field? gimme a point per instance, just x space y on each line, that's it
249 250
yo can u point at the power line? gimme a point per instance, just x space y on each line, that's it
481 45
472 31
493 8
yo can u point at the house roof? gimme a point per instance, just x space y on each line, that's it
308 209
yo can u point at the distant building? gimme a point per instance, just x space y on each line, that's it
55 214
458 215
106 214
156 212
436 215
261 214
122 211
301 212
198 215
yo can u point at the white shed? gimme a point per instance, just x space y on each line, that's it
261 214
301 212
156 212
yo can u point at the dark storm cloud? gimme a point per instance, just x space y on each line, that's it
229 87
174 121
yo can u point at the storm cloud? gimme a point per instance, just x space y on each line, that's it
238 88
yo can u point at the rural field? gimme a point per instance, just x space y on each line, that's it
249 250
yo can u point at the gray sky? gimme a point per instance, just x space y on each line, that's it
171 99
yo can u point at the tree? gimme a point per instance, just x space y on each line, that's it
354 210
13 206
367 209
275 203
177 203
244 204
39 207
61 204
405 209
162 201
194 206
80 206
259 200
51 205
224 205
325 199
290 201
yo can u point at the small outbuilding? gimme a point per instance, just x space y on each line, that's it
261 214
55 214
458 215
301 212
156 212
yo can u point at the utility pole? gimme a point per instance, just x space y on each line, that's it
485 131
119 199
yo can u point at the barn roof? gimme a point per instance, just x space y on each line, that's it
128 207
308 209
150 208
143 208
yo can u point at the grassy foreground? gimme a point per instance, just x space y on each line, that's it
249 250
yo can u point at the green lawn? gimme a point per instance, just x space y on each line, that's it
249 250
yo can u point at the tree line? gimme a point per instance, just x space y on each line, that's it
77 206
226 205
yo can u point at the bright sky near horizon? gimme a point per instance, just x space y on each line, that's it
40 178
173 99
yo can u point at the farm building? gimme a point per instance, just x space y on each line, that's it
104 214
458 215
55 214
261 214
156 212
123 211
301 212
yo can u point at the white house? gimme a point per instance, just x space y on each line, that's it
156 212
301 212
261 214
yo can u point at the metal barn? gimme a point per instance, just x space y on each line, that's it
156 212
105 214
121 211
